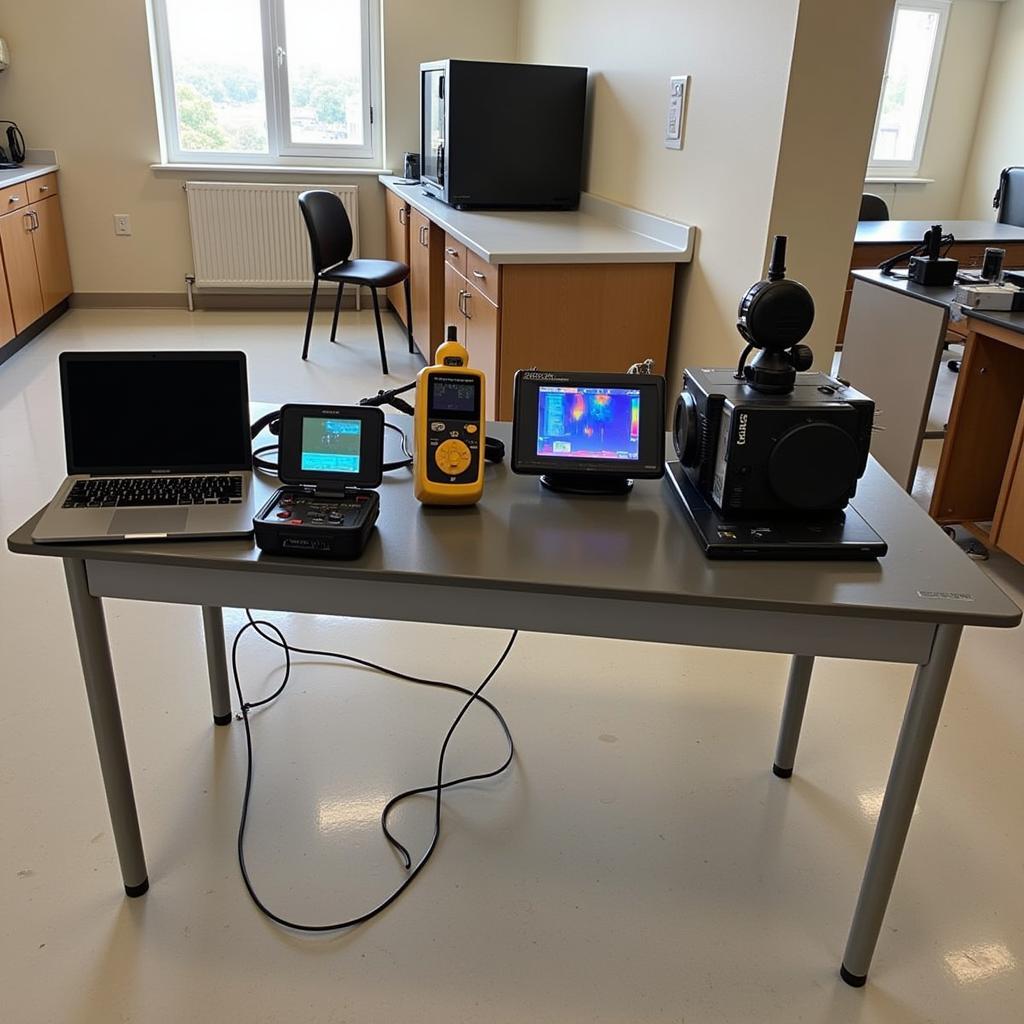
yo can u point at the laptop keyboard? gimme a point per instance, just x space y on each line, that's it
155 491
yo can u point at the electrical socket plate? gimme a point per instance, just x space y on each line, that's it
677 86
122 224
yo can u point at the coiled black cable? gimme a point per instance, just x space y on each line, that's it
436 787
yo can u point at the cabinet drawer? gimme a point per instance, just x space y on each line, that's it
455 254
483 274
42 187
14 197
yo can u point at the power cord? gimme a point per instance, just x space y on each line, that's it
437 787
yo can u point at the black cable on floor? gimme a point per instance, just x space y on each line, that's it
436 787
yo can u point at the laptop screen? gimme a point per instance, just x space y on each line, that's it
133 412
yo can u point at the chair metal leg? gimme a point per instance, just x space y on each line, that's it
380 333
337 307
408 312
309 319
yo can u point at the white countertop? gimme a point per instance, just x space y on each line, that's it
17 175
599 232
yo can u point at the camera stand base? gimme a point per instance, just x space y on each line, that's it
843 536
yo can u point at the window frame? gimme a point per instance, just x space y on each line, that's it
281 151
912 166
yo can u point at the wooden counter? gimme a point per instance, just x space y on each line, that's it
589 289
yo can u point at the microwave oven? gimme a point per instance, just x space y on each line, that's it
502 136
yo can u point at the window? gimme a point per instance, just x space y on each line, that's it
269 81
911 67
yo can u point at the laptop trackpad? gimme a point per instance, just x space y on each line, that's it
154 520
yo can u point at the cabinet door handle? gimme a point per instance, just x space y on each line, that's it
459 302
27 216
465 306
478 275
401 215
423 235
451 251
44 188
14 199
35 220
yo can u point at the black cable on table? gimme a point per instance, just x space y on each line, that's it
436 787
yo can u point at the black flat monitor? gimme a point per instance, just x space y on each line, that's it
588 433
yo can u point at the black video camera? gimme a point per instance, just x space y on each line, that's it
766 438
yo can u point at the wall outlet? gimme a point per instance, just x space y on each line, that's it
122 224
677 86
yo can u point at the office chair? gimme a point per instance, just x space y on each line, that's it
330 239
1009 197
873 207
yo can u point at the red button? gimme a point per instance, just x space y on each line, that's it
294 522
284 515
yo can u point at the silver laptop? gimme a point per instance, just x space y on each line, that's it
157 447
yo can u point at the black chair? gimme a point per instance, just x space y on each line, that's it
873 207
1009 197
330 239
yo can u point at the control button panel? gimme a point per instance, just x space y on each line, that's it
454 447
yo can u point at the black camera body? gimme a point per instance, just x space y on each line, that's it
792 454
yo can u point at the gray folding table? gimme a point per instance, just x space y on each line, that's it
610 567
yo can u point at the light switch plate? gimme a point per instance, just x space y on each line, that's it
677 87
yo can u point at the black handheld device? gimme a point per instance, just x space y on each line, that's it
329 460
588 433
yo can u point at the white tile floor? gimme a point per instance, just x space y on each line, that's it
640 862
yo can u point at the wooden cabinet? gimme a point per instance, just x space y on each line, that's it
482 338
7 330
426 273
51 252
16 231
396 231
477 320
35 275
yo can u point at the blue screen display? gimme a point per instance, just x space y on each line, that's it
588 423
330 446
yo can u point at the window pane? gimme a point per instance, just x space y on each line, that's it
910 59
325 71
217 64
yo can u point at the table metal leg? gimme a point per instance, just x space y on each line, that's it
792 714
217 663
912 747
94 650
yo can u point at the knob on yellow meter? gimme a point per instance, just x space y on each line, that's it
448 466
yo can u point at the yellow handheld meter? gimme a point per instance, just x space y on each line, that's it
448 466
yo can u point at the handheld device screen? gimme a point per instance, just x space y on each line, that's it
458 395
588 423
330 445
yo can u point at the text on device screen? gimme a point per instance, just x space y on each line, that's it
588 423
330 445
454 395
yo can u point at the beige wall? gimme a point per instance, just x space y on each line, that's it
722 180
420 30
80 82
965 60
768 146
999 138
835 75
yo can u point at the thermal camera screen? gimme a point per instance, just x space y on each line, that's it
588 423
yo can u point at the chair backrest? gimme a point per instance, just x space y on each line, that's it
330 232
1009 197
873 207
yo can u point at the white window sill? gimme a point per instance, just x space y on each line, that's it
264 169
894 180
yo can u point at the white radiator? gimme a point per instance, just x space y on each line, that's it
252 235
